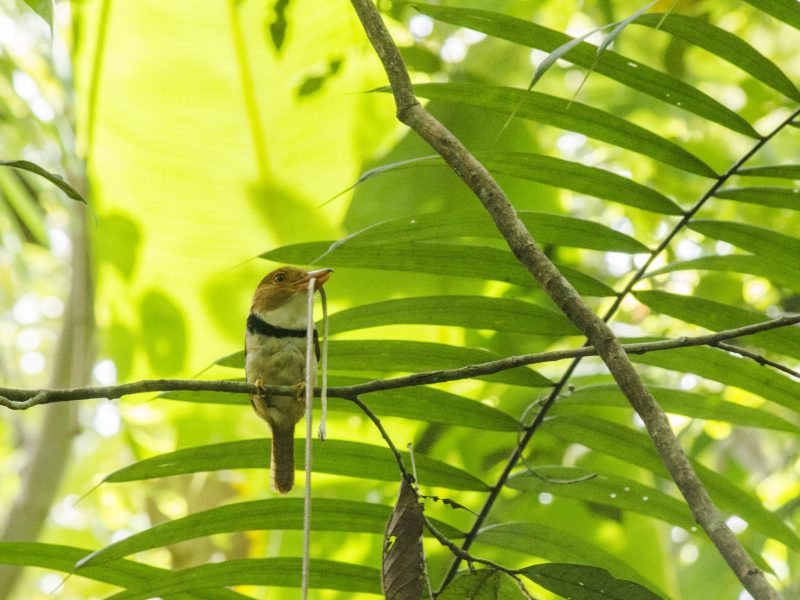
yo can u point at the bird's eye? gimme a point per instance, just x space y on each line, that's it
280 277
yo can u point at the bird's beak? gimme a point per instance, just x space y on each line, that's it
320 275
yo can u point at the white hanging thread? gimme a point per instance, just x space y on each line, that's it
311 377
323 397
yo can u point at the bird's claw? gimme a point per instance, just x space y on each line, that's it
300 390
261 390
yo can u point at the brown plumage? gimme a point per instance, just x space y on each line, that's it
275 354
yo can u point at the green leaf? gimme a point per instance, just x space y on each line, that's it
420 403
43 8
626 71
572 116
783 10
580 582
23 206
545 227
553 544
777 272
618 492
718 317
336 457
577 177
123 573
680 402
53 178
410 357
725 45
476 312
776 197
758 240
636 448
275 513
777 171
477 262
283 572
718 365
482 584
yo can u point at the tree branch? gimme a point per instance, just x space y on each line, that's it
22 399
597 331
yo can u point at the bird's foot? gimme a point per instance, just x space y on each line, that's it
300 391
262 391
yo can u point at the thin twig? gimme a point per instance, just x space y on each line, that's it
21 399
760 359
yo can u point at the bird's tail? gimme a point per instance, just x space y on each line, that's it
282 464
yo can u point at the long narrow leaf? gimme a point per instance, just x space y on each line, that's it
626 71
725 45
336 457
573 116
275 513
283 572
717 316
123 573
555 544
477 262
778 171
776 197
547 228
581 582
759 240
778 272
718 365
680 402
618 492
787 11
57 180
636 448
477 312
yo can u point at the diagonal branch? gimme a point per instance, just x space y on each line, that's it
597 331
21 399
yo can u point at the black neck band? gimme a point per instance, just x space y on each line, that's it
256 324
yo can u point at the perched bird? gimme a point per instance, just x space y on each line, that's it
275 354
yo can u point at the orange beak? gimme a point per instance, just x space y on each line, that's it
320 276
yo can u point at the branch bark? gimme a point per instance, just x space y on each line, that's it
599 334
22 399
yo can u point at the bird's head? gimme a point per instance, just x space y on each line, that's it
286 285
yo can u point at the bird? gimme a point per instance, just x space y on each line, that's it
275 354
